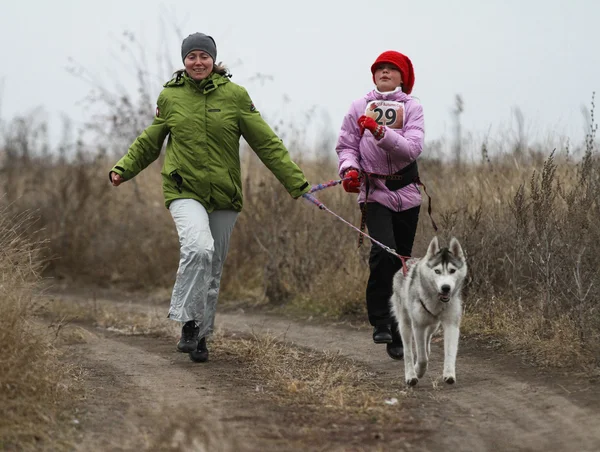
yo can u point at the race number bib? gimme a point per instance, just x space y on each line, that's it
386 113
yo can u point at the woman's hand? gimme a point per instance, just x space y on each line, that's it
115 179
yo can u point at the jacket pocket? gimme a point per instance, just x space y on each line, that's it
236 192
176 177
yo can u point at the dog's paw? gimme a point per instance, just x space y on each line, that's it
412 381
450 379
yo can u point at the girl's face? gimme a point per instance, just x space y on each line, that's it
198 64
387 77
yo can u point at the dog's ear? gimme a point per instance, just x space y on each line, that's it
456 249
434 247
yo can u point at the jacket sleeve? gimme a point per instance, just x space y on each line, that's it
347 146
146 148
407 143
269 148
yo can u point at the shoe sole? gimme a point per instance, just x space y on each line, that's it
198 360
187 348
397 358
383 342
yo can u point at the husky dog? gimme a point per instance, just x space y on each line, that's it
428 296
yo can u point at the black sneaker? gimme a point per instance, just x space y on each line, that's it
200 355
189 337
395 349
382 334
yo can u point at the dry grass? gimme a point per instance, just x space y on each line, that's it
35 386
177 429
554 343
93 232
308 377
124 318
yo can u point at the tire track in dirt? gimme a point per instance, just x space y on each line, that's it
497 404
130 378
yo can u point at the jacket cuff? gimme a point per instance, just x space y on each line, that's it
119 170
305 188
346 166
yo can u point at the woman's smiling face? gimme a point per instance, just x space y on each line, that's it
198 64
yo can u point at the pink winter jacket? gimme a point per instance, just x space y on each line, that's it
401 145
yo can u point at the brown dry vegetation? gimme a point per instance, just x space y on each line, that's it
180 433
35 386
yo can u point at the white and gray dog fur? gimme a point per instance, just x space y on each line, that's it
427 297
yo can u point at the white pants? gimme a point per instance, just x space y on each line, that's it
204 242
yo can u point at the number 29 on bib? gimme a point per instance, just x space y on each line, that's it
386 113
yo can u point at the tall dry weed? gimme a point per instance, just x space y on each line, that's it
34 385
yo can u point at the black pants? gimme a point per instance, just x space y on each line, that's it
396 230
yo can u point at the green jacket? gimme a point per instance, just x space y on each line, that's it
204 121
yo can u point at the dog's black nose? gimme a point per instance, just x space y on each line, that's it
445 288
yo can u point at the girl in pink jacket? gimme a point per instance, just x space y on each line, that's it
382 134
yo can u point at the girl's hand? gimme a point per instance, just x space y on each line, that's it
352 182
366 122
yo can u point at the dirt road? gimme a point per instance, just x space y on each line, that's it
498 403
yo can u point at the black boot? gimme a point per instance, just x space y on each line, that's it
382 334
189 337
395 349
200 355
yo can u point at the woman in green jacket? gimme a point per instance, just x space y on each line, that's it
204 114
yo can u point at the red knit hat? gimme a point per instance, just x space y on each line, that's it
404 65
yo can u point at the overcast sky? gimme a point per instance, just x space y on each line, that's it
538 55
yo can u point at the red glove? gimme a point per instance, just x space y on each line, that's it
353 184
366 122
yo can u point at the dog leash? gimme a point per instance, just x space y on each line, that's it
310 197
324 185
399 177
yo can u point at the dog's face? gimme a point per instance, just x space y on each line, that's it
445 268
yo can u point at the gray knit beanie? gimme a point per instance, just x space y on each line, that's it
199 41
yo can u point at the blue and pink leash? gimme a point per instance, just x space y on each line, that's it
332 183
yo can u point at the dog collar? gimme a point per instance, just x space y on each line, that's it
428 311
